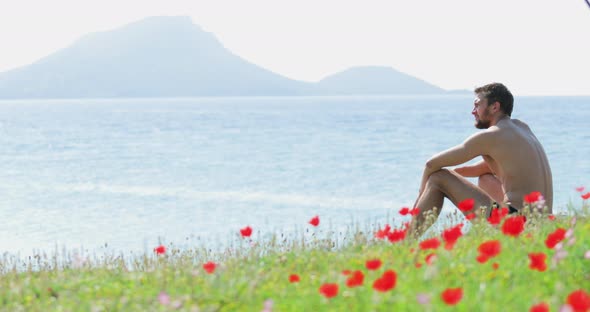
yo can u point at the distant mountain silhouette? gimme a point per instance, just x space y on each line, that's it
375 80
172 57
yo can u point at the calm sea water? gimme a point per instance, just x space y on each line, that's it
127 174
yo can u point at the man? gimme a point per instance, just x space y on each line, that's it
514 163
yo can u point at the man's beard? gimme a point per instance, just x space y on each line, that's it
482 124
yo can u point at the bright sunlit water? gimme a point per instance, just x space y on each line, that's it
131 173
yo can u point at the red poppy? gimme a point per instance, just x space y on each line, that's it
160 250
495 265
329 290
346 272
430 258
294 278
538 261
209 267
381 234
432 243
418 265
466 205
451 235
415 211
481 258
541 307
554 238
404 211
532 197
586 196
497 215
489 249
579 300
470 216
580 189
356 279
246 232
373 264
513 226
386 281
396 236
452 296
315 221
551 217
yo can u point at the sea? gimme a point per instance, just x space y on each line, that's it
121 175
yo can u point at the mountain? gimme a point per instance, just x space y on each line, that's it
375 80
172 57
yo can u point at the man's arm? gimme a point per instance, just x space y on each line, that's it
474 171
475 145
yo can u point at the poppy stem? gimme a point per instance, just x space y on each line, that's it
588 3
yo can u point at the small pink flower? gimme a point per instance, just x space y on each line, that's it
423 299
566 308
573 221
569 233
163 298
587 255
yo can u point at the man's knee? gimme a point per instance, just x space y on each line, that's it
438 178
487 180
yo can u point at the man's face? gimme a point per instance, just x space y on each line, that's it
481 112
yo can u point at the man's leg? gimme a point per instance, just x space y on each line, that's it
491 185
446 183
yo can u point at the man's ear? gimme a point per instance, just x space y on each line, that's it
496 106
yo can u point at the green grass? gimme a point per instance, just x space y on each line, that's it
251 274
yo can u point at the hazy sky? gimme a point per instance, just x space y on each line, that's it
534 46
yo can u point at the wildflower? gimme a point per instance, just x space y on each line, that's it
553 238
160 250
587 254
497 215
163 298
418 265
396 235
404 211
423 299
540 307
580 189
488 249
373 264
430 258
551 217
356 279
432 243
246 232
381 234
466 205
315 221
268 305
537 261
586 196
579 300
346 272
209 267
470 216
329 290
450 236
452 296
560 255
386 282
513 226
532 197
294 278
495 265
415 211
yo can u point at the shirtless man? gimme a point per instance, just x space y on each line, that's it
514 163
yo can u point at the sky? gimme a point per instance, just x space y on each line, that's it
535 47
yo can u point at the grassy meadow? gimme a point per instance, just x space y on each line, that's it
542 264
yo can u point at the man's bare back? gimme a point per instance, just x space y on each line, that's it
519 162
514 163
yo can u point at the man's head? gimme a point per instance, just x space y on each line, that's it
493 101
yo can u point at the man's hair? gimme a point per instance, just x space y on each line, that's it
497 92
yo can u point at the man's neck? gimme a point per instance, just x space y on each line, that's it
500 119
